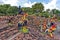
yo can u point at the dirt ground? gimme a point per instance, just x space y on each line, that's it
33 26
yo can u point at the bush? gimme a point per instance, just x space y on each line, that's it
58 18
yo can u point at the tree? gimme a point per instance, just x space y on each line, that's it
47 10
12 10
55 11
3 8
38 7
27 9
6 9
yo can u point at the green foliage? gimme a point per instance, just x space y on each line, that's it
28 10
55 11
58 18
12 10
38 7
6 9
